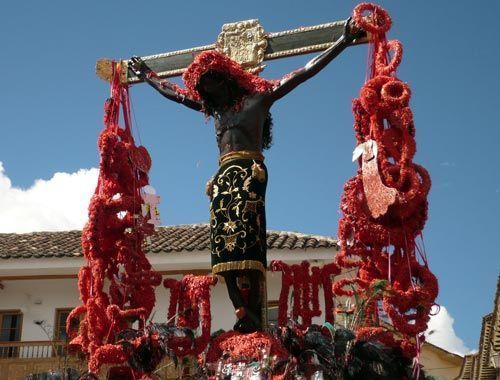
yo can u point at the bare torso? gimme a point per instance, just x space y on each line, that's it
242 129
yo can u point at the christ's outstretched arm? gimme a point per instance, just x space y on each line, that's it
163 86
289 82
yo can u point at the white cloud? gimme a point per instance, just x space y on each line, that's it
441 333
57 204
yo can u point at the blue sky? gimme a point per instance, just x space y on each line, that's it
51 112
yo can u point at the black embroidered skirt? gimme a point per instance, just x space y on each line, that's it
238 216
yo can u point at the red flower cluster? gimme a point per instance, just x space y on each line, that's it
190 302
305 282
377 231
213 60
247 346
112 242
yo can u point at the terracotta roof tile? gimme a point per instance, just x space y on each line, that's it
188 237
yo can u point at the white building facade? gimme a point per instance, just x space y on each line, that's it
39 271
38 288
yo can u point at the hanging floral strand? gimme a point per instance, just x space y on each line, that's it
190 303
112 242
305 281
385 205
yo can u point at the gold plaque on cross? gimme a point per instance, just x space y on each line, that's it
243 41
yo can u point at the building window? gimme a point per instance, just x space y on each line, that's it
10 331
272 312
60 324
60 334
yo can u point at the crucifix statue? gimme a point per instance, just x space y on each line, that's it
222 82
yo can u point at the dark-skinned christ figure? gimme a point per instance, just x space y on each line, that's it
240 104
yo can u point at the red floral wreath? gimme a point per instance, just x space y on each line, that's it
378 22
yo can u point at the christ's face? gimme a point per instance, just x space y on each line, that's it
217 89
213 82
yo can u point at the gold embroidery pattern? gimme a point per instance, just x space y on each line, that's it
241 154
235 218
239 265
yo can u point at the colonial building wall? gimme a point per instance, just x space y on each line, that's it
441 364
38 299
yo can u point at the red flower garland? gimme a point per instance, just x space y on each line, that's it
175 288
306 281
367 334
382 66
286 283
109 354
249 346
112 242
326 273
191 298
383 247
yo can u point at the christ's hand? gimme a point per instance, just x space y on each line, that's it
139 67
351 30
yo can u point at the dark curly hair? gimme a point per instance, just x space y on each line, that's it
267 132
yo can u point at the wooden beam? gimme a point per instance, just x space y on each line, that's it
244 41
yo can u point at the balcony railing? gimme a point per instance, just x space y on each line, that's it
19 359
31 349
35 359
